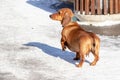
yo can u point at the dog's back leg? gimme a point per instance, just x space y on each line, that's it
82 59
81 53
95 59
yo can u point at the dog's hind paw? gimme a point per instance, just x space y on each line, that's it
76 58
93 64
78 65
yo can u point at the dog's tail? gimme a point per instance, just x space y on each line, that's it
96 44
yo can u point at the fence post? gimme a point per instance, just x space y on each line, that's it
105 7
81 6
98 7
92 7
111 6
119 5
77 5
116 6
86 7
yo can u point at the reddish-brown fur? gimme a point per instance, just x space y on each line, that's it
75 38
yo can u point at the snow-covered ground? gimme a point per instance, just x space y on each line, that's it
30 47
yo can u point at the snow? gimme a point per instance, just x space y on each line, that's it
30 47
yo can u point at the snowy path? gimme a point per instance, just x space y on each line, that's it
30 47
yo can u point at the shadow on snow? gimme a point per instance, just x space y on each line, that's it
56 52
50 6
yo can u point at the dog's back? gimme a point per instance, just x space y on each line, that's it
76 37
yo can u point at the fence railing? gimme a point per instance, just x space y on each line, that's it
97 7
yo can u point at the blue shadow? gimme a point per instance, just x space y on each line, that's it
50 7
52 51
56 52
60 5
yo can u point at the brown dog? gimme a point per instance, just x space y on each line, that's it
75 38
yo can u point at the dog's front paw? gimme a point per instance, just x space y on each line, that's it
63 48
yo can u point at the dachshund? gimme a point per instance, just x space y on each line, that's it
75 38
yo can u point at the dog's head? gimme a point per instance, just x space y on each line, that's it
63 15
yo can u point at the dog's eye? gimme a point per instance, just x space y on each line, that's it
59 12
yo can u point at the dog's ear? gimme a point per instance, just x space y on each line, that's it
65 20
